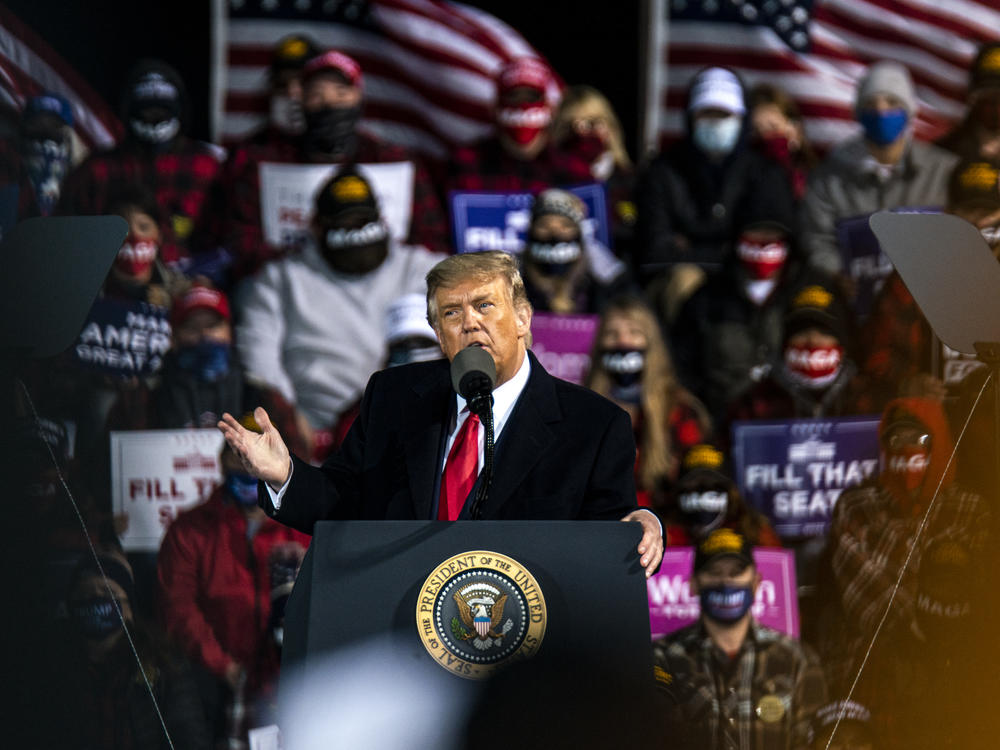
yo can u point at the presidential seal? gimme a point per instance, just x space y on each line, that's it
478 610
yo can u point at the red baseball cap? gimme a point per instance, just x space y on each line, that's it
525 71
200 298
337 61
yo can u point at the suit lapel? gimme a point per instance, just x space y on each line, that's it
423 433
525 438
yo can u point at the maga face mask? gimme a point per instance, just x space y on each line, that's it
136 256
813 366
761 260
522 123
905 467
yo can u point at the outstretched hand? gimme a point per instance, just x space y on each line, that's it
264 455
651 545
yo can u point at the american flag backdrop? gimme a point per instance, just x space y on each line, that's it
816 50
428 65
29 66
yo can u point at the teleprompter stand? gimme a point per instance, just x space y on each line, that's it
955 279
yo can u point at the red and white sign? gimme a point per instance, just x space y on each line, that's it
156 474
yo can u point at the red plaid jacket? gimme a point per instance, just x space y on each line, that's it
487 166
870 538
241 229
897 344
182 181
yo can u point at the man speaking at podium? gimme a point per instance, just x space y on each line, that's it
415 451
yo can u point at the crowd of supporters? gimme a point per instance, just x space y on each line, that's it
725 294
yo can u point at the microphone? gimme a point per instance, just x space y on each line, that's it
473 375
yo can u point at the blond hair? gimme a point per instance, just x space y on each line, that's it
661 392
482 267
586 101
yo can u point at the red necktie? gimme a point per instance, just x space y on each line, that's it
460 471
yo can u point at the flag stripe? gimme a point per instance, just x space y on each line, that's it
22 50
947 37
935 40
428 68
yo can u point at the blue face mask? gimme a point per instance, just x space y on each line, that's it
242 488
717 137
726 603
208 361
95 618
883 128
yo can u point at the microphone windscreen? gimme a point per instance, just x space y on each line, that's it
472 359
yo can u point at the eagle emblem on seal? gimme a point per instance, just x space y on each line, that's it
480 607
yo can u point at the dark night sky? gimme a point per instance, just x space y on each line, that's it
102 38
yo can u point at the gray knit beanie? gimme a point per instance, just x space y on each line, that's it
888 78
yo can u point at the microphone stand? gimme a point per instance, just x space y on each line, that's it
482 406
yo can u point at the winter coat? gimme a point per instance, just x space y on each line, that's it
690 208
215 588
844 186
723 342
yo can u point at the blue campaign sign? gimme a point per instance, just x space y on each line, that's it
863 259
499 221
794 470
123 338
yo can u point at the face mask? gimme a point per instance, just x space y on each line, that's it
554 258
356 251
286 115
904 469
95 618
242 488
136 256
603 166
155 133
776 147
624 365
523 123
404 355
761 260
331 130
991 235
705 510
46 163
717 137
208 360
883 128
726 603
813 366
